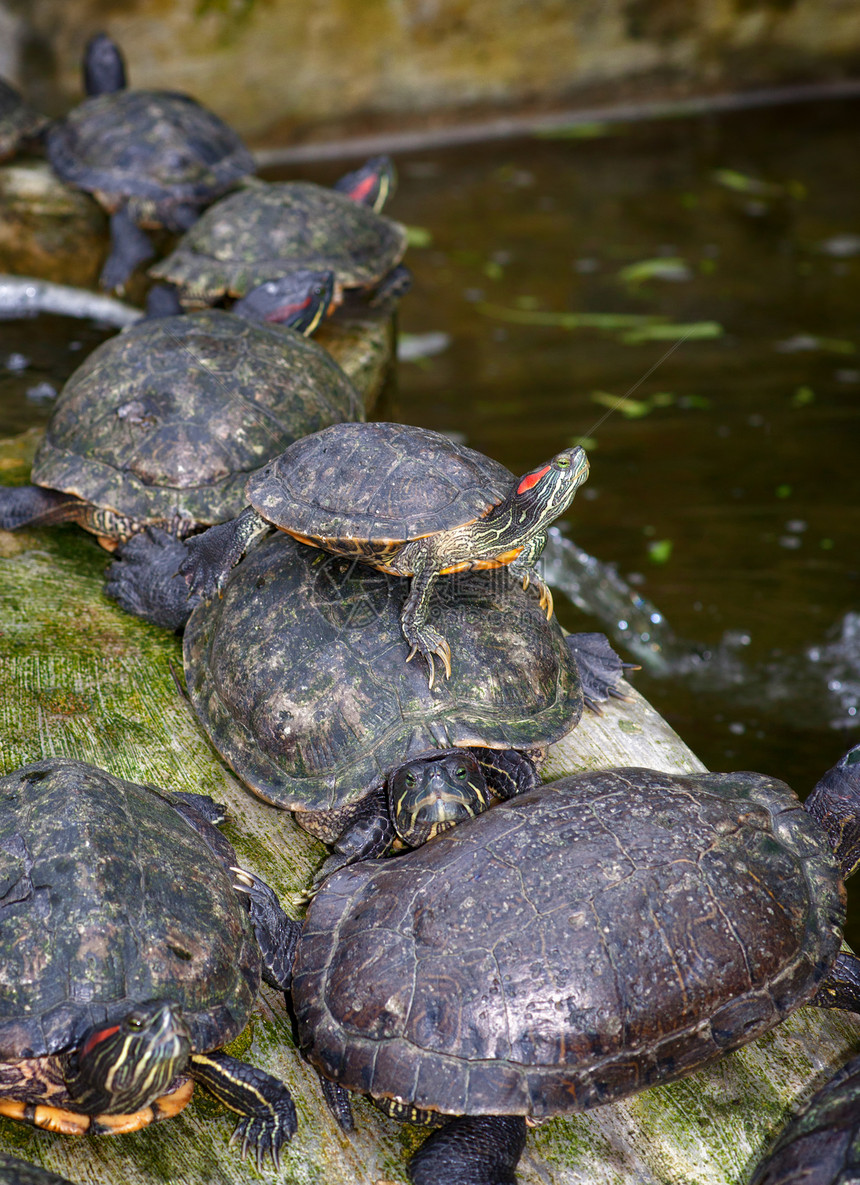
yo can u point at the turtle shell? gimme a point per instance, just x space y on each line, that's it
598 935
103 906
268 229
158 147
19 122
165 421
298 674
377 483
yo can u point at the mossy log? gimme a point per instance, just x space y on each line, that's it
79 678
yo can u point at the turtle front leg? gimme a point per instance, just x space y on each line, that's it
471 1150
129 247
277 935
508 772
840 987
368 835
266 1106
524 566
210 557
423 638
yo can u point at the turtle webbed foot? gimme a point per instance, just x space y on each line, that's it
599 668
143 579
426 641
212 555
268 1113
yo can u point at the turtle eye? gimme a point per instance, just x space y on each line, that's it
563 462
134 1022
409 779
462 771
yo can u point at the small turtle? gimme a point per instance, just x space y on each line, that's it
124 969
163 423
20 124
151 158
297 675
405 500
598 935
270 228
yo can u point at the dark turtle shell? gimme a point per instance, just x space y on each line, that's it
19 122
298 674
19 1172
103 905
268 229
595 936
159 149
165 421
377 483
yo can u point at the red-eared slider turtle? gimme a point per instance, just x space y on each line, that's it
598 935
163 423
20 124
151 158
297 675
405 500
270 228
124 968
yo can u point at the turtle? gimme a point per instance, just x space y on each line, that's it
600 934
297 676
20 124
163 423
270 227
128 958
152 158
19 1172
406 500
819 1145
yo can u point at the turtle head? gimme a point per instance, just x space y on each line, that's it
435 792
546 492
121 1067
300 300
104 68
835 804
371 185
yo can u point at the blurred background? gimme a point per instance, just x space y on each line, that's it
587 183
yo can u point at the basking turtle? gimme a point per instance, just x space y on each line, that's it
163 423
405 500
124 969
598 935
20 124
270 228
297 675
151 158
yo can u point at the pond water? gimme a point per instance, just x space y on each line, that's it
553 276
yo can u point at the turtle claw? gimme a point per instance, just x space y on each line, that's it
546 601
428 643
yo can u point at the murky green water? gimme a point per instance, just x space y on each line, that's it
727 492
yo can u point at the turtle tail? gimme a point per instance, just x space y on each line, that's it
31 506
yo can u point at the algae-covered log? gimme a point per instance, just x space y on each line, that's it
79 678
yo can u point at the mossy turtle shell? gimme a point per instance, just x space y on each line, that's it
378 483
19 122
298 674
268 229
598 935
104 905
158 147
167 420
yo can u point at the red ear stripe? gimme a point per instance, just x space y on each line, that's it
286 310
531 479
94 1038
363 188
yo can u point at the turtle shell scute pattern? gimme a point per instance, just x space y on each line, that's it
268 229
160 147
377 482
298 673
167 420
596 936
103 905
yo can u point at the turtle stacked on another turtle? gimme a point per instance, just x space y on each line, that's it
151 158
